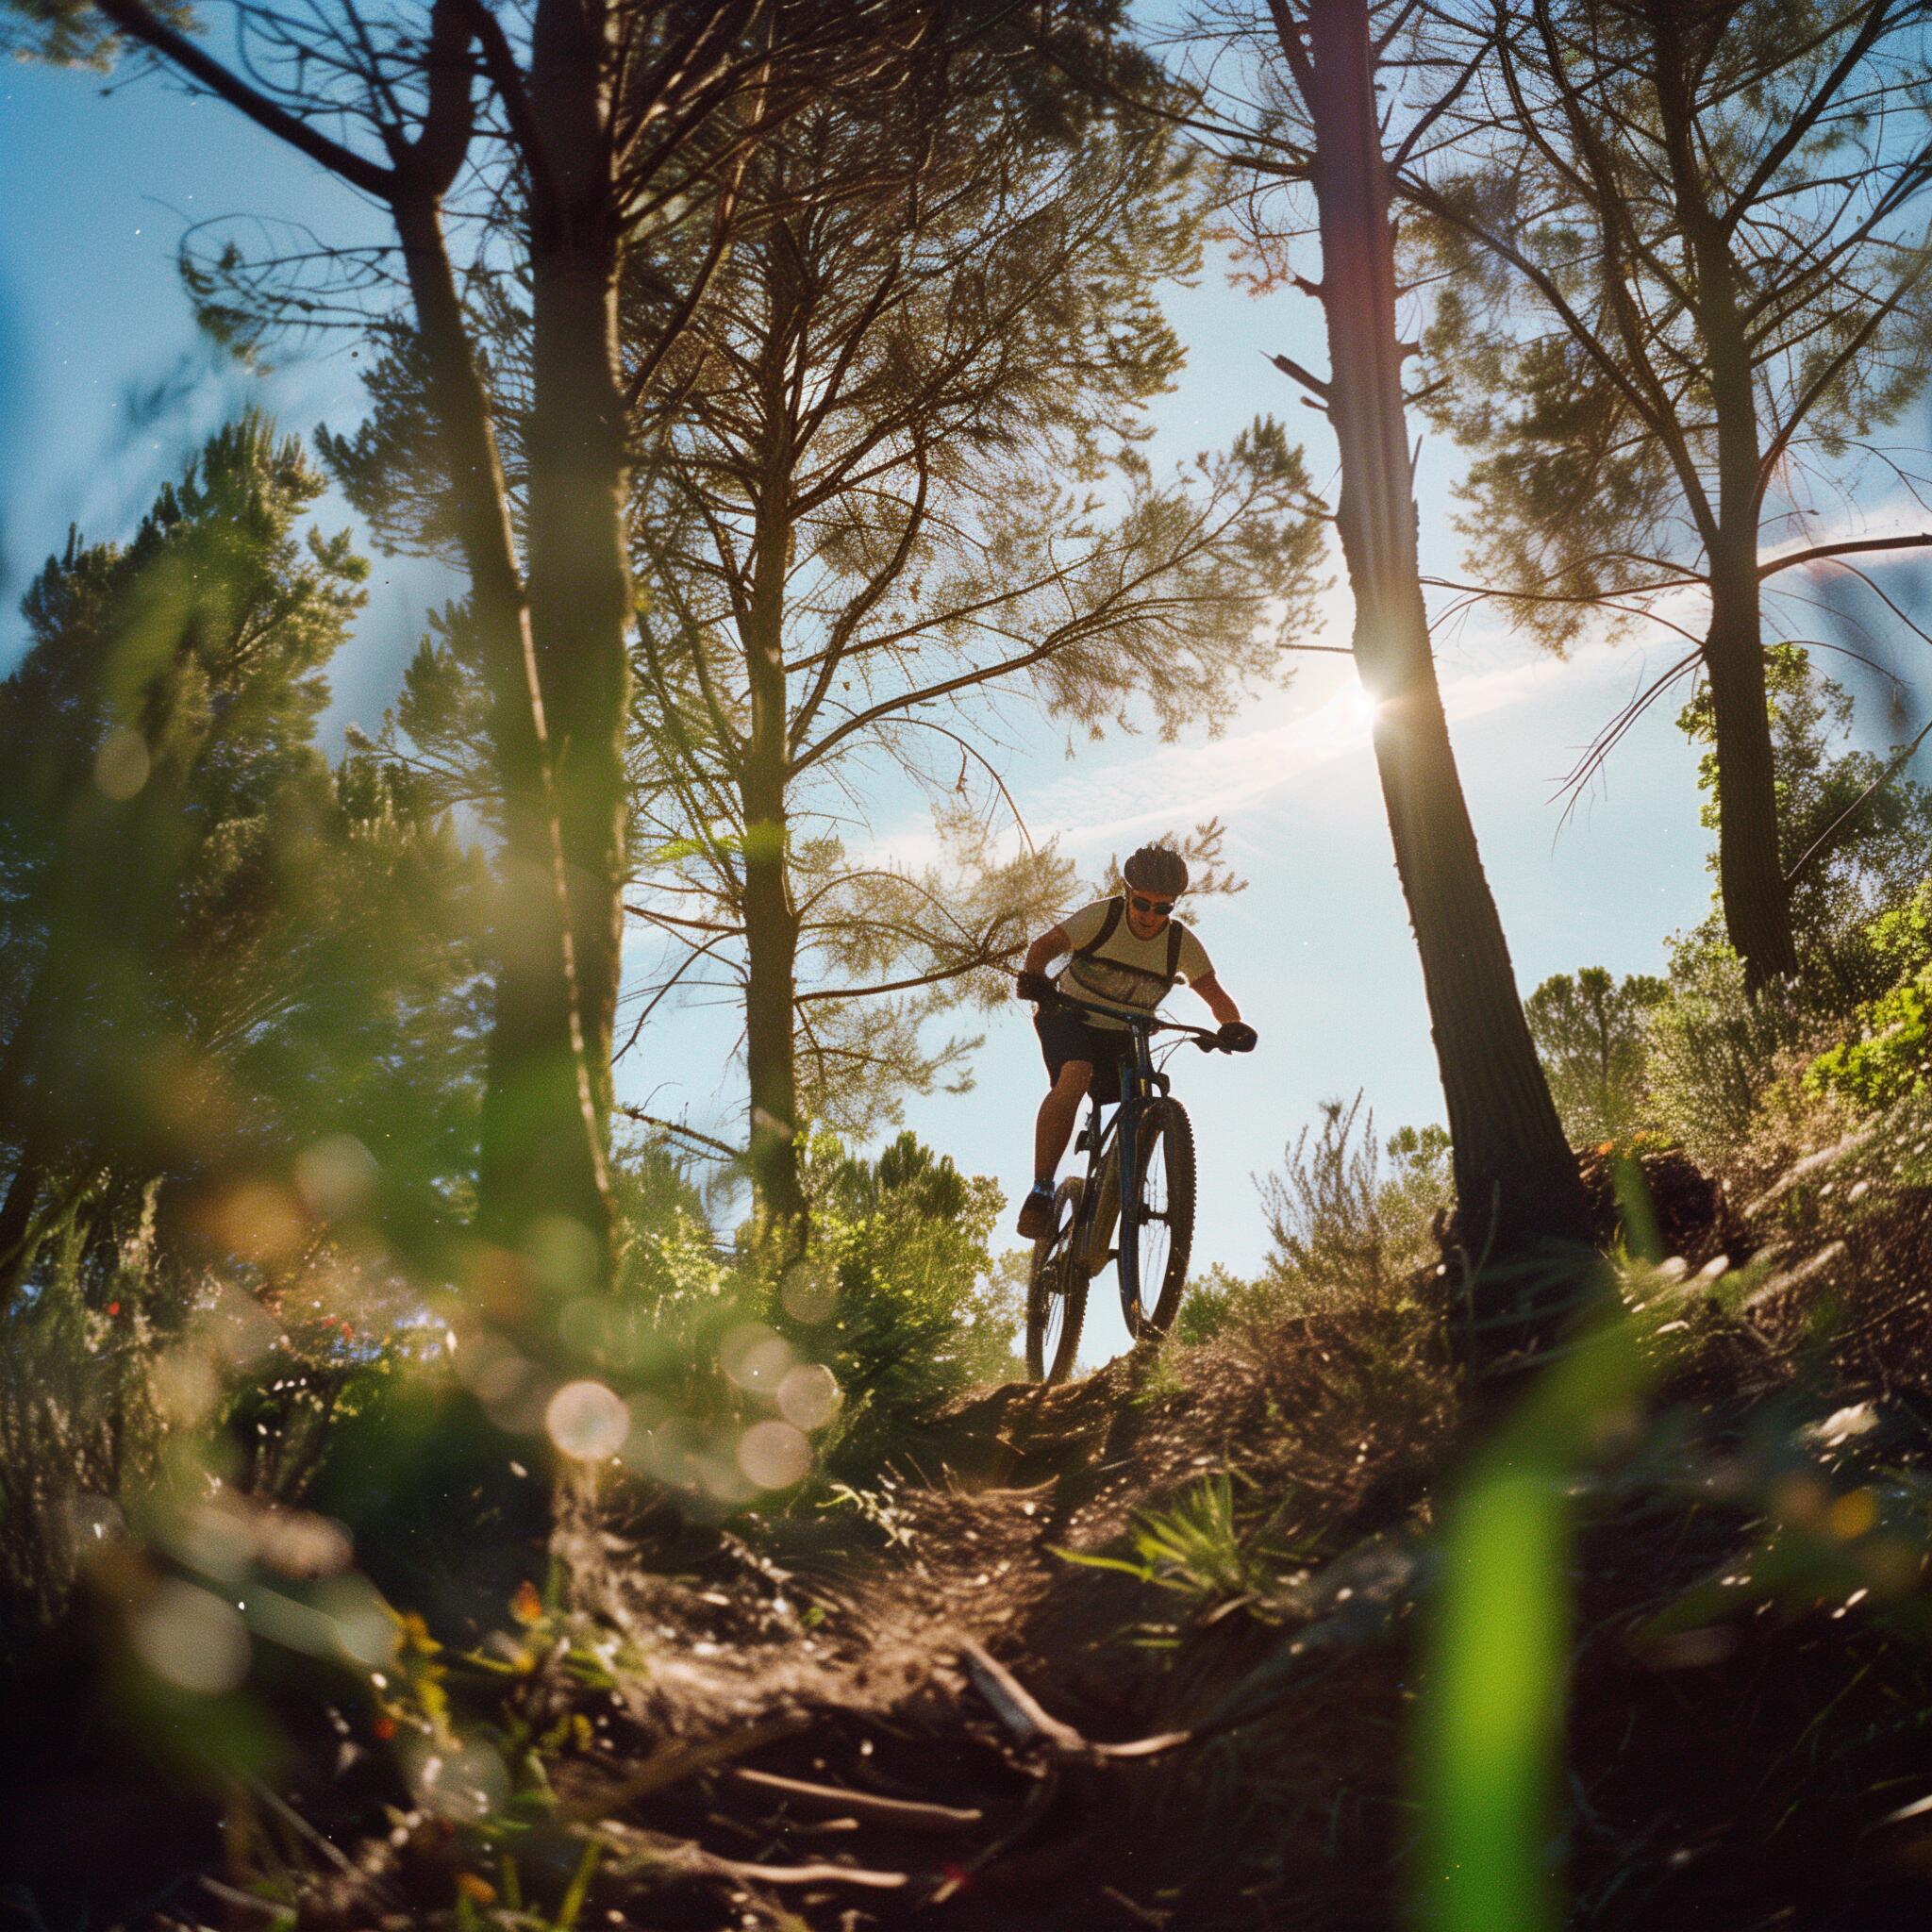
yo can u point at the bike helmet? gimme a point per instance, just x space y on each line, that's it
1158 869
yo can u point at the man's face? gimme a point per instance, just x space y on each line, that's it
1148 913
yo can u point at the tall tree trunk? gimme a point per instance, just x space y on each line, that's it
580 589
1750 881
771 921
1516 1181
543 1144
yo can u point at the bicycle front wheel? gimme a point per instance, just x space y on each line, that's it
1161 1235
1056 1292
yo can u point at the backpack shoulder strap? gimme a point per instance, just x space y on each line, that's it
1174 936
1114 908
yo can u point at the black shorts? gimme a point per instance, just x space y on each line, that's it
1065 1035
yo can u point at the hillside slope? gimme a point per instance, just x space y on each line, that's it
1152 1650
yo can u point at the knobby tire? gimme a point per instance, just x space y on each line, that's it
1050 1348
1164 1186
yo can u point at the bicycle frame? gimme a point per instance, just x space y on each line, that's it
1140 1084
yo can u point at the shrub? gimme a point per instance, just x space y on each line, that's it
1213 1303
894 1305
1589 1031
1891 1056
1715 1053
125 1377
920 1312
1339 1224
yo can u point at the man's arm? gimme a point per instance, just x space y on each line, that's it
1211 989
1049 945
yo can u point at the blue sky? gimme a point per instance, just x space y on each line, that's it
104 387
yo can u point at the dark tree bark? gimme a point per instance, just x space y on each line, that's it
1750 881
770 919
543 1136
1516 1181
580 589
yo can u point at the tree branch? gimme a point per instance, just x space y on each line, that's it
179 50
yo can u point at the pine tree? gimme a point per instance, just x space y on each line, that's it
211 939
1687 285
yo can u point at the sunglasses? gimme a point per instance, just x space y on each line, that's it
1160 907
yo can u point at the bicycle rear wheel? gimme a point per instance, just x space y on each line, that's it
1055 1292
1163 1220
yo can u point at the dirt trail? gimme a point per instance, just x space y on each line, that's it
923 1706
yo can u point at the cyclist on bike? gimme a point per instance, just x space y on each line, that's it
1128 951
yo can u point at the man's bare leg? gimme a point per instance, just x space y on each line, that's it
1057 1113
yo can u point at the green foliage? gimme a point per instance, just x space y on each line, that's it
920 1313
140 1397
1214 1303
1715 1053
1193 1547
218 950
1891 1054
1642 180
1341 1226
1589 1034
1719 1065
894 1305
1865 862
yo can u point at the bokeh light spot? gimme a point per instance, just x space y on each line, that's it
588 1420
190 1639
809 1395
809 1294
754 1357
563 1256
187 1385
364 1628
258 1222
774 1455
336 1177
464 1781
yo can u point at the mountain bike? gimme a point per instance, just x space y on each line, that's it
1149 1139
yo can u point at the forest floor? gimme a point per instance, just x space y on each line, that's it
1142 1651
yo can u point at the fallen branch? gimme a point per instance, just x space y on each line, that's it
1015 1706
810 1875
684 1857
674 1763
1021 1713
901 1814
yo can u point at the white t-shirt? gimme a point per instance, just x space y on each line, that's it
1126 971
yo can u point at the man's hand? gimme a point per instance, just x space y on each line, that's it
1033 986
1237 1036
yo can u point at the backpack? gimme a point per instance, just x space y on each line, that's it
1116 907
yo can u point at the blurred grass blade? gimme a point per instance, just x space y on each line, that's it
1493 1728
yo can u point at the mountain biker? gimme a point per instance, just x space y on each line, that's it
1128 951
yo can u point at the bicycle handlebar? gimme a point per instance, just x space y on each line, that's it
1146 1023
